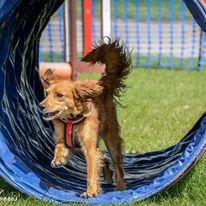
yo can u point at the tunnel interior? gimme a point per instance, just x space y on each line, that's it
27 142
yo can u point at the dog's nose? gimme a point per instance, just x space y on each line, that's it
42 106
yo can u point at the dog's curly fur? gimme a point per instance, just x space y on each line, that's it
71 97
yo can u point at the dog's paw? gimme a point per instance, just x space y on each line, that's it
58 162
92 192
60 158
89 194
121 187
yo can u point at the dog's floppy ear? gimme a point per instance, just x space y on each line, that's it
48 78
86 89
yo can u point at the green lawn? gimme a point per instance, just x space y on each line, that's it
162 106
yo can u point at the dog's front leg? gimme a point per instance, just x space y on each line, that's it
61 153
93 159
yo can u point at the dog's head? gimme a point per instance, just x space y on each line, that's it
66 99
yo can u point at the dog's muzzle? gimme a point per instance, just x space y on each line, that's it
50 115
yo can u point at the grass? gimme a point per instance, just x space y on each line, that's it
162 106
53 57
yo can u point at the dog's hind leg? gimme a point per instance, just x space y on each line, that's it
107 172
61 153
113 143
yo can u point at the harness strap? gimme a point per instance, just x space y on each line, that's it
71 138
70 135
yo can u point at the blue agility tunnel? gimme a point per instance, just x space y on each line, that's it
26 144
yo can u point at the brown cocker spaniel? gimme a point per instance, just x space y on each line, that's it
95 103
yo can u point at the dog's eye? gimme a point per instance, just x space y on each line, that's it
58 95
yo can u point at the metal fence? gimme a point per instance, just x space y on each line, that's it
161 33
52 47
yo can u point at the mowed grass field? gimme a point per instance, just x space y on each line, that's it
162 106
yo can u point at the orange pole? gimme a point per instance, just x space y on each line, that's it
87 26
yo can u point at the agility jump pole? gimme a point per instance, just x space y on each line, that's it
87 26
87 22
105 18
82 67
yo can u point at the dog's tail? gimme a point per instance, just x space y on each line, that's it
117 59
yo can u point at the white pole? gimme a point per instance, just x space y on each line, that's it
106 18
66 28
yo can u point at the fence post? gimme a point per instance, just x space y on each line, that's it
66 31
72 31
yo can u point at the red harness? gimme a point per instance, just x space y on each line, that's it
70 132
71 137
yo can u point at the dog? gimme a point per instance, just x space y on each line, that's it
95 102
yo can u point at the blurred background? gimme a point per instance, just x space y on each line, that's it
161 33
